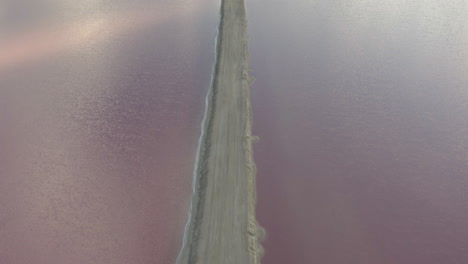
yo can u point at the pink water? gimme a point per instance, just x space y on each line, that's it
100 111
361 109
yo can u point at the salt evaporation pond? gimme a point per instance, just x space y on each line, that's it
362 112
100 111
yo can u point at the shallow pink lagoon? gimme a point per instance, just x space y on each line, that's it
361 109
100 111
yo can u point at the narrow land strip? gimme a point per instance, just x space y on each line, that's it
223 228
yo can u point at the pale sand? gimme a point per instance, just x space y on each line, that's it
223 228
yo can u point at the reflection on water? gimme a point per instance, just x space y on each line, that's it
100 105
361 108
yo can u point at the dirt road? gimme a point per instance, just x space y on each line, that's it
222 228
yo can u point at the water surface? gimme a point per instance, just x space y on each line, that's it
362 112
100 111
